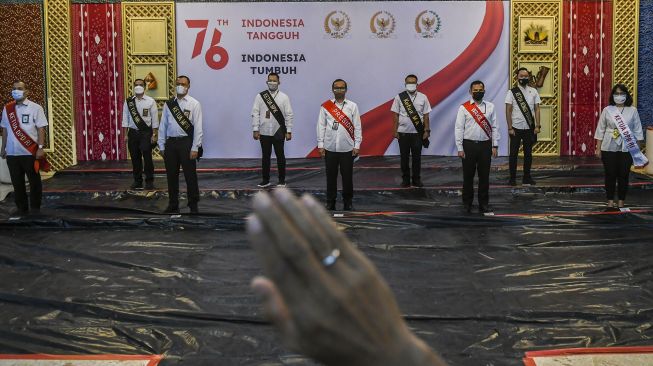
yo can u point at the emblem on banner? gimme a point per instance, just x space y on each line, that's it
428 24
337 24
382 24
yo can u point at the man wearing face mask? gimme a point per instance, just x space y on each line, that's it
523 116
339 137
477 141
23 136
272 124
140 122
180 142
411 119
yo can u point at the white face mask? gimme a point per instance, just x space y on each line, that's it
411 87
273 85
181 89
619 99
138 89
17 94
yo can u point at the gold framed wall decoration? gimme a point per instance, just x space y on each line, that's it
536 34
541 76
155 76
149 36
546 121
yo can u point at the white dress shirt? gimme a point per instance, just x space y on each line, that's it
607 125
338 139
422 106
170 128
30 118
268 126
148 110
468 129
532 98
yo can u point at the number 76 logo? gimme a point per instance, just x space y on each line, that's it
214 48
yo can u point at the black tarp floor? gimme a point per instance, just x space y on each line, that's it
99 271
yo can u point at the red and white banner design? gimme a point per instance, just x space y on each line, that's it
78 360
608 356
227 49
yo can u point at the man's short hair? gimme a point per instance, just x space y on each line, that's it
338 80
184 77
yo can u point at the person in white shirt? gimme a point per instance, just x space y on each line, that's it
339 141
142 135
179 147
269 131
410 139
20 161
519 127
610 146
477 141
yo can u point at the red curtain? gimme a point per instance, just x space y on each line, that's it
98 86
586 72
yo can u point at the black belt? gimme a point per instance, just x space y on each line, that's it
178 137
477 141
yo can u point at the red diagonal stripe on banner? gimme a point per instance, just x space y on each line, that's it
377 123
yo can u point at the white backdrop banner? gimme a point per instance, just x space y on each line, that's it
227 49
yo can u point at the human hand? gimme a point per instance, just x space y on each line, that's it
340 314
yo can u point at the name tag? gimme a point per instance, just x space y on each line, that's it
146 112
187 113
24 118
267 114
335 125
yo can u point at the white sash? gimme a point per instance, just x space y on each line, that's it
628 138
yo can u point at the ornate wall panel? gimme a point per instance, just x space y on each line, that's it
587 70
59 83
147 16
98 75
625 43
552 8
28 64
645 63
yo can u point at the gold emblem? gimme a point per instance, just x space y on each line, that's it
536 35
337 24
382 24
428 24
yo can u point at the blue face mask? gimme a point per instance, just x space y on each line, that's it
17 94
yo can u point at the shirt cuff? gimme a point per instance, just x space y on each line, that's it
460 147
195 148
289 130
357 146
320 145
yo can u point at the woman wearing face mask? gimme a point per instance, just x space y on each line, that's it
613 140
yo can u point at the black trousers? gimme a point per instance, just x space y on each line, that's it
410 144
140 150
267 142
19 166
345 162
617 172
478 156
177 153
525 137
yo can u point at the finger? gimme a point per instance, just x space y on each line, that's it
285 237
298 213
274 264
337 240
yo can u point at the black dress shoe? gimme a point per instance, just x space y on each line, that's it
348 207
136 186
171 210
18 212
405 184
484 209
512 182
418 183
468 208
194 210
331 206
149 186
264 184
528 181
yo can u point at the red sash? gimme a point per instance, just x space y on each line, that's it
25 139
339 116
479 117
